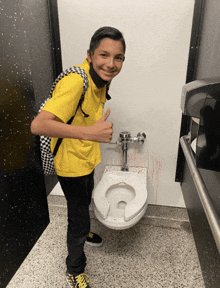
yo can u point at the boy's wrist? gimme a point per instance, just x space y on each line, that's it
80 132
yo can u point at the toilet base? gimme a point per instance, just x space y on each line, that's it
119 223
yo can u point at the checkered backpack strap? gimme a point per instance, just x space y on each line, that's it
46 155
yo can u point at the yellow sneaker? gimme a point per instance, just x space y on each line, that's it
80 281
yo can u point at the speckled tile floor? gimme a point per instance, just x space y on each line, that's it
142 256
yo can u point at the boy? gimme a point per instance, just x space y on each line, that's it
79 152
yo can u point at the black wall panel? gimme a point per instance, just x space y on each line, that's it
26 75
203 62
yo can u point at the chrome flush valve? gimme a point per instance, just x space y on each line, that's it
124 139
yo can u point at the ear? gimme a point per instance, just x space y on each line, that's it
88 56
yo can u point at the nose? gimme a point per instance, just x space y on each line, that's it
111 63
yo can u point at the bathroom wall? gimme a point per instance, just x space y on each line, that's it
146 94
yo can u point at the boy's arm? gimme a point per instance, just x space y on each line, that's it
48 124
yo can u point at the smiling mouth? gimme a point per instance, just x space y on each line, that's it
109 72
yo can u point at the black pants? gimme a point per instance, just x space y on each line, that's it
78 193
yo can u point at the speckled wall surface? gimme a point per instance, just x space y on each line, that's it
26 74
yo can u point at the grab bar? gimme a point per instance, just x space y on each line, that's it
208 207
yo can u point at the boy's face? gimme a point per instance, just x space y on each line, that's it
107 58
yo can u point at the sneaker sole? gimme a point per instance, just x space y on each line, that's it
94 244
68 283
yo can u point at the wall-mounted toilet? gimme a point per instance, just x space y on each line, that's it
120 198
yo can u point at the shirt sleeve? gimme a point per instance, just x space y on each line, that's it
65 97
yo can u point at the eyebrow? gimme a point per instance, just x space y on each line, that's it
103 51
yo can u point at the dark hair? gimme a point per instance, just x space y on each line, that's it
105 32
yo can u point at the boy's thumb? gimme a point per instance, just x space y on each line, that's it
106 115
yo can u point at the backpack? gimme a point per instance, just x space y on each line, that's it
47 156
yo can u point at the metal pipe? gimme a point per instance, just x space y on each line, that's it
125 138
125 155
206 201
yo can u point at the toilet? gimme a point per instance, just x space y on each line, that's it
120 198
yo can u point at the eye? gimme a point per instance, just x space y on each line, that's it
119 58
103 55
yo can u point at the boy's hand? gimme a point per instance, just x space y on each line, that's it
101 131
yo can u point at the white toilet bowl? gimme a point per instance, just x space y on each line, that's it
120 198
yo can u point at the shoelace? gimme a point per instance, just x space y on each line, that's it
81 280
90 235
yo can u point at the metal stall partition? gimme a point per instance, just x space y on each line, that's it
27 70
200 100
210 211
200 186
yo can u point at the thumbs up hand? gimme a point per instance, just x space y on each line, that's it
106 115
101 131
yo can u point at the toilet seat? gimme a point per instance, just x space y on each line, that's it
111 178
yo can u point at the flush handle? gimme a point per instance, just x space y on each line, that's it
141 137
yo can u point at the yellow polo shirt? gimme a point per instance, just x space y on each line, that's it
76 157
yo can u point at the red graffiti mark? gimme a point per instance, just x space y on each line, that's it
156 167
138 159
